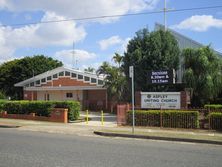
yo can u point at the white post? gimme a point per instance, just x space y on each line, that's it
132 77
164 10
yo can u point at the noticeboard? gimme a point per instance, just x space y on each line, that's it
160 100
161 77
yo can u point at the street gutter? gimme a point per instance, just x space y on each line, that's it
111 134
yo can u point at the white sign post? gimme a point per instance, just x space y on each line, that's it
131 74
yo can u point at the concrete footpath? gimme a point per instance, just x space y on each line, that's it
110 129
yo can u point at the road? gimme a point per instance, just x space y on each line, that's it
36 149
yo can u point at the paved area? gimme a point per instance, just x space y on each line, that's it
96 119
78 128
25 149
84 129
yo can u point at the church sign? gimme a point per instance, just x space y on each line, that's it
160 100
161 77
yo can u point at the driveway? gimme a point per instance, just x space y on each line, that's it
95 119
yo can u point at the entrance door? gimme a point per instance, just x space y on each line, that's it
47 97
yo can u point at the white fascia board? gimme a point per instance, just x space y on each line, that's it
64 88
55 71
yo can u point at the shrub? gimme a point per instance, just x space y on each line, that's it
213 106
2 102
73 108
2 95
165 118
40 108
215 120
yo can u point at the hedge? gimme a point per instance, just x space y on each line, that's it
213 106
40 108
215 120
73 108
165 118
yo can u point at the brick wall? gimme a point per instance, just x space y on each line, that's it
57 115
94 99
29 95
66 81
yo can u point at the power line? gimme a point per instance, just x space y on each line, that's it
111 16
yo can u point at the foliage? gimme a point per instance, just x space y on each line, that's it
2 95
202 74
41 108
215 120
118 59
115 81
157 50
213 106
89 69
17 70
73 108
169 118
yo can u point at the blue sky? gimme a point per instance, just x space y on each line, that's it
97 40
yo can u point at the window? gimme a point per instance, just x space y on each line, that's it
43 80
49 78
86 78
55 76
67 73
69 95
37 82
100 82
27 85
73 75
32 84
80 76
61 74
93 80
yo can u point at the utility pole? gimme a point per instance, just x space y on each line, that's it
73 54
164 11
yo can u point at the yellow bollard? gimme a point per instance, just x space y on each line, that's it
102 117
87 116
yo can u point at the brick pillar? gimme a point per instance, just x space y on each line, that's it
138 99
122 113
59 115
183 100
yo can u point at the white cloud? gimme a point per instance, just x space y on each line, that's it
95 65
199 23
3 4
106 43
83 8
82 57
42 35
124 44
114 41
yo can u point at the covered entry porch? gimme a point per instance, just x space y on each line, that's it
90 97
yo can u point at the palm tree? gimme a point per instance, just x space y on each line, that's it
118 59
115 82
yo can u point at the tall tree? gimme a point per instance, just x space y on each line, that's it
203 73
18 70
118 59
157 50
115 81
